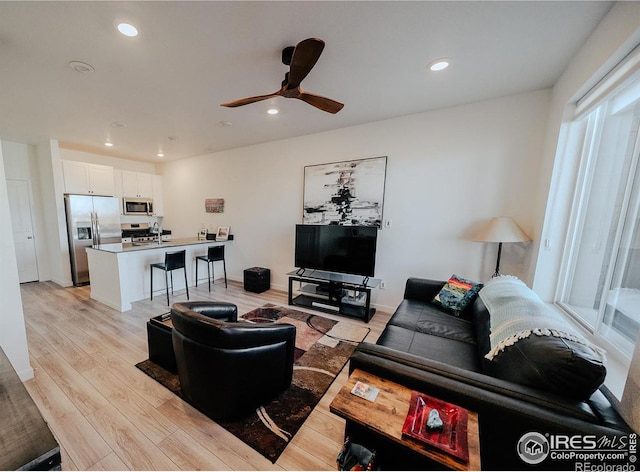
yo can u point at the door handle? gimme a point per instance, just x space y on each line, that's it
98 230
94 238
29 237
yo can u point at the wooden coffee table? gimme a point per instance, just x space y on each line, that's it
385 417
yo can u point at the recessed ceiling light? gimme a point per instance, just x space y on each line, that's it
160 154
272 111
81 67
439 64
127 29
108 144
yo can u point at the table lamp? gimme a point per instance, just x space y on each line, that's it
501 229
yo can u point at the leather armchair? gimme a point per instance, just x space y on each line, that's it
229 368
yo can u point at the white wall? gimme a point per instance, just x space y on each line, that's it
52 190
613 39
447 172
13 337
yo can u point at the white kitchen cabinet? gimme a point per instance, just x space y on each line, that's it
88 179
158 200
117 182
137 184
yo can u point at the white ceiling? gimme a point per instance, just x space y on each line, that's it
191 56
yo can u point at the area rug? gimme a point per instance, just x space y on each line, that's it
323 347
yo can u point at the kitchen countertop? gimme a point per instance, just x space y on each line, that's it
144 246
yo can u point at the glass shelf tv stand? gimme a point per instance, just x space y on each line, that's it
348 295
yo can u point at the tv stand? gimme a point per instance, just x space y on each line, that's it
348 295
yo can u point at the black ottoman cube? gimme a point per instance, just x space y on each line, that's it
257 279
160 341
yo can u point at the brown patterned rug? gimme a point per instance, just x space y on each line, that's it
323 346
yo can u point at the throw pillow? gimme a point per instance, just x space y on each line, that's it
457 294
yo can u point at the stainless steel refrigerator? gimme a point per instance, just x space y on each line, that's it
90 221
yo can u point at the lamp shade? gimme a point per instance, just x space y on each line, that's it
501 229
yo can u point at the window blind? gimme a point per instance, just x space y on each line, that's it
619 76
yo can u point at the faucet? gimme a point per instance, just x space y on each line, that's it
155 229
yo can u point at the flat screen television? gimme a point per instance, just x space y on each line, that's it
345 249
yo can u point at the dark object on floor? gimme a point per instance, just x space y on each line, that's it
257 279
160 342
355 457
227 369
26 443
270 427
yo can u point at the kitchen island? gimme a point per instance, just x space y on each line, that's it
120 273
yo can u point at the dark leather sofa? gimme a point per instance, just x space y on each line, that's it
429 350
228 368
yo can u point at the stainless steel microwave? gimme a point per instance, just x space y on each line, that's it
137 206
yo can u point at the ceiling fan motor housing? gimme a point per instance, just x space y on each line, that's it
287 54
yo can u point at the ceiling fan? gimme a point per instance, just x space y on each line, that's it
300 60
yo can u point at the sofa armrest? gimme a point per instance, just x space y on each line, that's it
222 311
422 289
245 335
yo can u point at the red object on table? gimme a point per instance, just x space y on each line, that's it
451 437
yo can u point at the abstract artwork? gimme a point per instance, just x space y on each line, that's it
345 193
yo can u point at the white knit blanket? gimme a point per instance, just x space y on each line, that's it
516 312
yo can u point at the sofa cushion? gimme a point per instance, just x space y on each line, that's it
457 353
431 319
457 294
533 345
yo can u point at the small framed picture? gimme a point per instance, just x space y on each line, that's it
202 234
223 233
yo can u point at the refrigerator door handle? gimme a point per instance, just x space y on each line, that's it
94 229
97 229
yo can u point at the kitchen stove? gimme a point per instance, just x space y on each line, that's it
141 232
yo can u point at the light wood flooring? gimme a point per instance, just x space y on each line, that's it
108 415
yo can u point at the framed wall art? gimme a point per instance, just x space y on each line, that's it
214 205
223 233
345 193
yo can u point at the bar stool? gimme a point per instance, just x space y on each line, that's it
172 261
215 253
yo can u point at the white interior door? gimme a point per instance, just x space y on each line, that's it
21 221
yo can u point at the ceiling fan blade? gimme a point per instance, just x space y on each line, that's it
305 56
248 100
323 103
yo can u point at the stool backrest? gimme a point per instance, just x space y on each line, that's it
215 253
174 260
